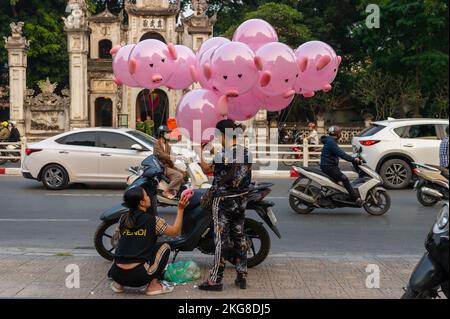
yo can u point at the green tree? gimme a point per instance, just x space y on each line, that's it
47 56
412 42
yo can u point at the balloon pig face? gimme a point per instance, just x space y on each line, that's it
152 63
197 71
319 65
120 65
188 193
232 70
280 70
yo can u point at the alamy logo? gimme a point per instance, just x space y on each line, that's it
373 279
73 280
373 19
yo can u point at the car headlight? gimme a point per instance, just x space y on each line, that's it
442 219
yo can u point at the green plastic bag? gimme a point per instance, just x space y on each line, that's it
182 271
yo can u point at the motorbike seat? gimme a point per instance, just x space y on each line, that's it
316 171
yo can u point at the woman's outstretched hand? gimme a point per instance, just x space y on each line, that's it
183 203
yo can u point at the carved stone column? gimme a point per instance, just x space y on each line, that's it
76 26
17 47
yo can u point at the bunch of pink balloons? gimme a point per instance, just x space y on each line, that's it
254 71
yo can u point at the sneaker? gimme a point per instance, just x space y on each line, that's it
208 287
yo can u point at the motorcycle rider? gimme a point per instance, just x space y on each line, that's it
4 132
329 161
163 151
14 136
313 137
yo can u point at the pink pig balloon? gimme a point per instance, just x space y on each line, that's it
280 69
211 43
243 107
196 112
120 65
255 33
183 78
152 63
272 103
318 67
233 69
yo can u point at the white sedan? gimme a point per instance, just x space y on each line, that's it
92 155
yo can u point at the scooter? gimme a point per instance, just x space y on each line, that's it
314 189
431 273
198 226
195 179
431 185
10 153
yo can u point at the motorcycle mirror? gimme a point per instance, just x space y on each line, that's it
137 147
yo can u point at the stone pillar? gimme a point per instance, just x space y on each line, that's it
77 30
17 47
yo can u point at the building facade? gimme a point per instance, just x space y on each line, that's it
95 99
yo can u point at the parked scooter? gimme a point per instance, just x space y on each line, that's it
431 185
10 148
198 226
195 178
431 273
314 189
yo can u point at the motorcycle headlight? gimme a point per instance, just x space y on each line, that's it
442 219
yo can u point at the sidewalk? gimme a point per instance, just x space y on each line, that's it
40 276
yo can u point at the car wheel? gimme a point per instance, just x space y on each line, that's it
54 177
396 174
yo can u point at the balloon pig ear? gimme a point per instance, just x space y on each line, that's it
323 62
114 50
172 51
207 71
117 81
258 63
193 73
266 77
132 65
303 64
339 58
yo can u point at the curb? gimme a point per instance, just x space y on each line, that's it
10 171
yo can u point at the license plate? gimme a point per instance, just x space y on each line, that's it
272 216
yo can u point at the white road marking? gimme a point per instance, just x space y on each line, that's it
42 220
83 195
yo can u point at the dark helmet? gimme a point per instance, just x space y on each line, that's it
334 130
163 129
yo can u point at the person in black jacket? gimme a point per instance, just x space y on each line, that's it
329 161
14 136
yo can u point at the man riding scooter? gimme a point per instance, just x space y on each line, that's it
329 161
163 151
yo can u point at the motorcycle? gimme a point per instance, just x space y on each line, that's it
431 273
198 225
195 178
314 189
10 153
431 185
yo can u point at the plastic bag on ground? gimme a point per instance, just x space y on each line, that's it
182 271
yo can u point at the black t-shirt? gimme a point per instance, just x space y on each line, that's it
137 244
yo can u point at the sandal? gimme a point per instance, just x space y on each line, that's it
165 289
117 288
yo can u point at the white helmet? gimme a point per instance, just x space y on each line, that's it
13 123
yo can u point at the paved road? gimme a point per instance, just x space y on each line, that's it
31 216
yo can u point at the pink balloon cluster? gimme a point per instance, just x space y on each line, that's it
238 78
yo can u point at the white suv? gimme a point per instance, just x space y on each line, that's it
391 146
